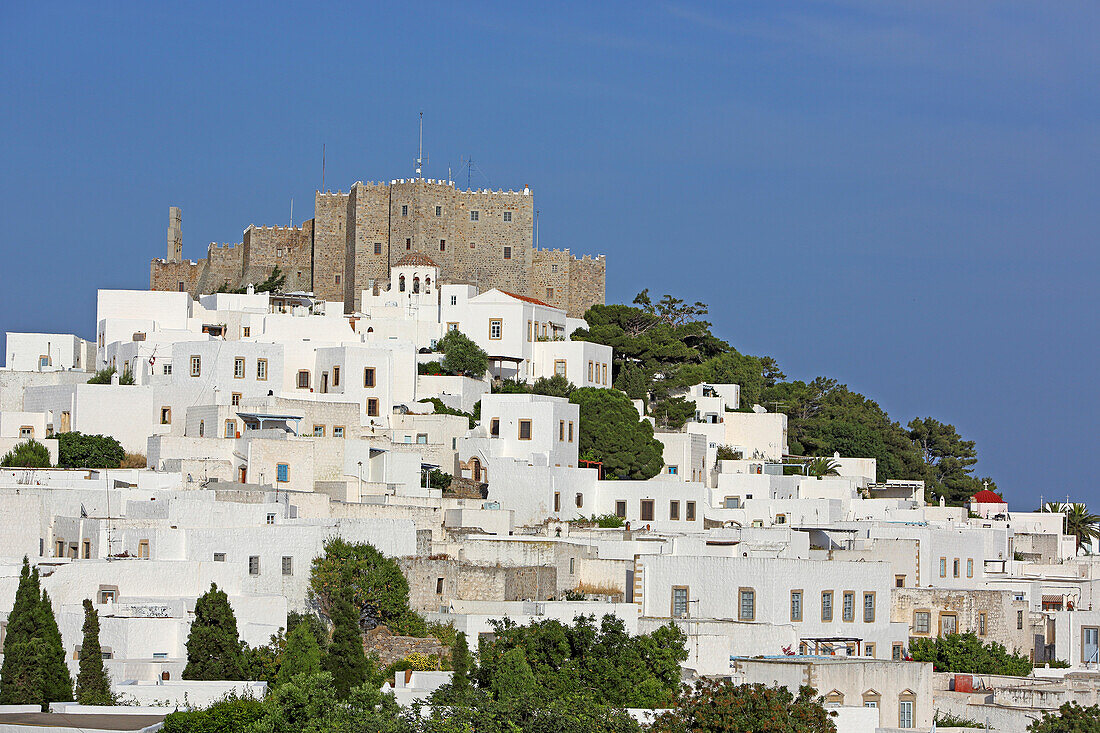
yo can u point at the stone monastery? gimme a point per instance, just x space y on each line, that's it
483 238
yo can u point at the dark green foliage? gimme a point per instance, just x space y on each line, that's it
482 713
439 479
603 661
1070 718
34 670
127 377
460 664
671 413
555 386
59 683
947 720
967 654
632 380
715 706
28 454
510 386
445 632
948 460
726 453
1082 524
102 376
263 662
375 582
93 686
345 659
274 282
229 715
213 646
302 655
76 450
608 521
612 431
316 626
442 409
822 467
430 368
462 356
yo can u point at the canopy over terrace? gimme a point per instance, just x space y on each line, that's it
499 361
261 421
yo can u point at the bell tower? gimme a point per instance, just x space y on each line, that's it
175 234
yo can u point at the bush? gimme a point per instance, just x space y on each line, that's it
608 521
76 450
102 376
966 653
726 453
1070 718
442 409
444 632
432 368
462 356
232 713
28 454
721 705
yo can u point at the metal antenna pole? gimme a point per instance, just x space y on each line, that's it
420 151
322 167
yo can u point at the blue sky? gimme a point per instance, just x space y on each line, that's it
902 196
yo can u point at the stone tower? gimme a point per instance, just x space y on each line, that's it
175 234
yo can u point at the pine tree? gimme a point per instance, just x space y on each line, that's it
93 686
460 663
15 688
302 655
59 683
213 646
346 661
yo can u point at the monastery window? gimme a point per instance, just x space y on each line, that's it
108 593
1019 620
378 248
336 376
416 284
647 510
579 500
452 326
401 284
732 502
196 365
943 567
261 369
507 253
270 519
826 605
674 510
679 601
404 210
282 473
337 279
439 584
474 215
970 567
59 549
202 428
238 368
590 364
796 605
443 248
955 567
86 549
981 623
780 518
368 377
44 361
254 565
869 607
849 610
372 407
572 565
544 330
561 431
408 243
560 366
288 565
746 604
167 369
570 433
439 211
235 399
620 509
231 428
318 431
553 268
508 216
496 327
26 431
454 300
871 698
834 699
524 429
143 549
922 622
246 331
689 514
899 581
557 501
494 427
549 293
179 286
219 557
337 431
303 379
421 438
605 375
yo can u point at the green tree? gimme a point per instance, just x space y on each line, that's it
966 653
345 659
213 646
28 454
263 662
93 686
822 467
76 450
718 706
460 663
631 379
1082 524
59 683
102 376
34 670
274 282
301 656
672 412
462 356
1070 718
377 585
513 681
948 459
555 386
613 432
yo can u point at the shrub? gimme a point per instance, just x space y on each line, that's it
28 454
608 521
76 450
967 654
1070 718
463 356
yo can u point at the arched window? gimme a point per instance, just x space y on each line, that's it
416 284
427 285
202 428
370 329
834 699
401 283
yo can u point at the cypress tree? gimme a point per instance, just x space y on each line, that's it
59 683
213 646
93 686
302 655
345 661
460 663
16 671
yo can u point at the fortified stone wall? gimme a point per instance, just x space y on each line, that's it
329 220
288 248
434 582
222 266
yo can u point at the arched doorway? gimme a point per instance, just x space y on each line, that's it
401 284
475 469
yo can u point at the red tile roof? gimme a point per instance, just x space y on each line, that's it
985 496
527 299
415 259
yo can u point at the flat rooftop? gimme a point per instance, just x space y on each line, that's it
82 721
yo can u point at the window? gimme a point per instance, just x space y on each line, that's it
780 518
508 216
590 371
337 279
454 300
421 438
905 710
943 567
570 433
443 248
572 565
871 698
899 581
796 605
679 601
1019 620
689 514
368 377
235 399
620 509
834 699
529 333
288 565
439 586
108 593
549 293
318 431
826 605
746 604
970 567
674 510
238 368
452 326
86 549
895 653
981 623
561 431
673 470
336 376
524 429
26 431
732 502
439 211
337 431
507 253
372 407
282 473
167 369
494 427
408 243
261 369
495 328
647 510
557 501
404 210
605 374
231 428
202 428
378 248
922 622
473 215
196 365
219 557
303 379
254 565
246 331
559 367
869 607
955 568
143 549
849 609
868 650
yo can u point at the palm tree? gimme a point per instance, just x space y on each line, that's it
822 466
1083 524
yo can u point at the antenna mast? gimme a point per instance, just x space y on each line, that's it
322 167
